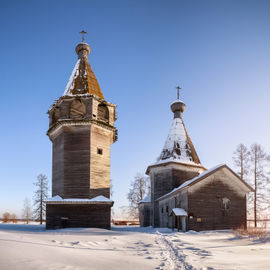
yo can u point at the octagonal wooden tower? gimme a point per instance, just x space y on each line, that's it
81 130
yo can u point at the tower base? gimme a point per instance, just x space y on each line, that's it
78 214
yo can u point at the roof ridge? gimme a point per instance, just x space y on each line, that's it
202 176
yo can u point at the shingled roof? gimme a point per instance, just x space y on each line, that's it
178 146
204 175
83 80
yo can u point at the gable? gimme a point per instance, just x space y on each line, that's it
222 172
224 175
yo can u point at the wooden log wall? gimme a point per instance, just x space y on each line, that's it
75 215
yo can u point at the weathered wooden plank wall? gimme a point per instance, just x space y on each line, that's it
75 215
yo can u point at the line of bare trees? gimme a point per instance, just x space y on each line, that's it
253 165
7 217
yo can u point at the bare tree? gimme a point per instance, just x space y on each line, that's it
39 197
13 218
259 160
241 158
27 210
6 217
140 187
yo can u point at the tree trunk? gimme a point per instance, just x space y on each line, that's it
255 192
242 166
41 205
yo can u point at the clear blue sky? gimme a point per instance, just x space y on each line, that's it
218 51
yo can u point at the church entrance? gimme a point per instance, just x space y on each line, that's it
64 222
179 219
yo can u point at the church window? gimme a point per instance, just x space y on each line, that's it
225 206
100 151
162 210
225 203
103 113
167 208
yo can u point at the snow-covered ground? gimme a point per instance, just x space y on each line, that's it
32 247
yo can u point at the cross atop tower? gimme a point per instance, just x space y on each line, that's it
83 33
178 89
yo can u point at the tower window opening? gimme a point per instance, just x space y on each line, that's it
167 208
100 151
103 113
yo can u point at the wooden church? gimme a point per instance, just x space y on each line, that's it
187 196
82 130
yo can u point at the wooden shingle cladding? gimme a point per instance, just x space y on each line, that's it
76 215
215 201
83 79
178 145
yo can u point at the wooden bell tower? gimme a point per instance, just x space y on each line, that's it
81 130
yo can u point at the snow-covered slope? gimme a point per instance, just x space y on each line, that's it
32 247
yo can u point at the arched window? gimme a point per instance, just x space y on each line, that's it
103 113
77 109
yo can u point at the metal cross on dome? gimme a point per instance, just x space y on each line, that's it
178 89
83 33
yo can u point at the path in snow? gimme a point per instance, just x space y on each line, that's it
173 258
220 250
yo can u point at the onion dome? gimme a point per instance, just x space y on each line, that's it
178 107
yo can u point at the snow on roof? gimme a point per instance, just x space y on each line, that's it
60 200
188 182
146 199
70 83
179 212
83 80
177 100
172 159
178 146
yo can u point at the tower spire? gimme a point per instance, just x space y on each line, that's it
83 79
178 146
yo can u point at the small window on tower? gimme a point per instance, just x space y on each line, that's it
167 208
99 151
